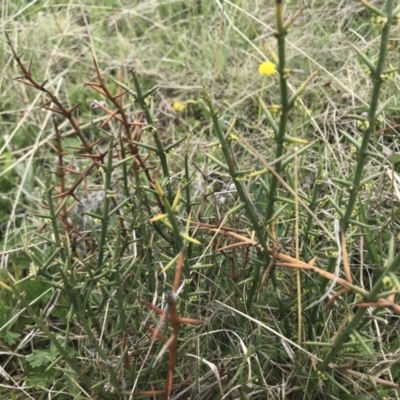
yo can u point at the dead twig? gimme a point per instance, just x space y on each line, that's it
169 313
287 261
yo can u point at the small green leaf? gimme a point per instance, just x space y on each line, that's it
39 358
9 337
38 377
42 357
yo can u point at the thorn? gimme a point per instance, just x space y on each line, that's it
34 85
61 195
110 117
70 111
98 73
120 94
46 103
91 84
18 77
76 147
53 110
74 196
92 156
21 54
98 90
52 146
30 65
95 143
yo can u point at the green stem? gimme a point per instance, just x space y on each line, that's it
53 218
279 138
127 195
143 231
106 205
263 255
357 318
372 114
150 120
179 244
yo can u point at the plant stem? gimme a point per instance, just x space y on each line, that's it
362 153
150 120
105 217
279 138
263 255
357 318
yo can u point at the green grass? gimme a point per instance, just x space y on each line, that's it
256 341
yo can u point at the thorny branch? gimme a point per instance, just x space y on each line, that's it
286 261
169 313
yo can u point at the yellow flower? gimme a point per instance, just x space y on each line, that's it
267 68
178 106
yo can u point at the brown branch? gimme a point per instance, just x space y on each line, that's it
335 296
170 313
345 259
27 79
291 262
381 304
120 113
274 255
61 172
